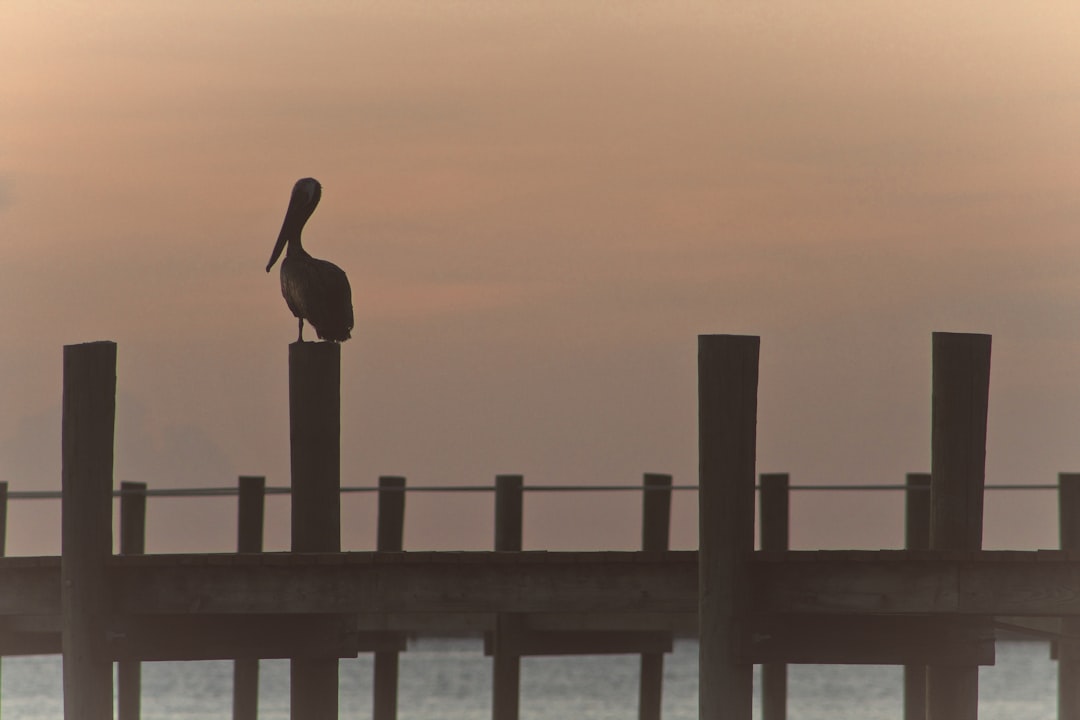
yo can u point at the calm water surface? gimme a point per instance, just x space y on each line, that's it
451 680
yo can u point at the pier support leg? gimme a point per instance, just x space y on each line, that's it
727 439
315 442
250 514
89 419
960 387
916 537
655 536
506 662
389 537
132 542
774 536
1069 646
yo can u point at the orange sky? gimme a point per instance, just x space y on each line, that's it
539 206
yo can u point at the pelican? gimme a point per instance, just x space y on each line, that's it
315 290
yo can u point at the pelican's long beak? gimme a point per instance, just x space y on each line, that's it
282 240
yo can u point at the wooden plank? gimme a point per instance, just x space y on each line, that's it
727 433
868 640
528 643
89 419
210 637
315 443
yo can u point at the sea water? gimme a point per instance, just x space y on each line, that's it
450 679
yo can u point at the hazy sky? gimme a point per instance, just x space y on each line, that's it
540 205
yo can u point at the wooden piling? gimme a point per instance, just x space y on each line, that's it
132 542
916 537
389 538
1069 646
249 539
960 398
655 537
774 536
89 418
506 663
3 522
315 442
727 439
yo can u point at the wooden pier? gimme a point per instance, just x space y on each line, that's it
931 608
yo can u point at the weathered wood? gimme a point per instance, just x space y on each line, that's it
89 414
867 640
3 522
916 537
315 442
529 642
250 513
248 637
727 432
132 542
1068 652
505 656
3 517
960 396
773 533
390 532
655 537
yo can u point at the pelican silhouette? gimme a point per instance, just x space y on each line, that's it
315 290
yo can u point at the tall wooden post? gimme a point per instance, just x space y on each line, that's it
727 440
655 537
89 419
1069 646
315 441
506 662
961 388
250 513
389 536
916 537
132 542
774 536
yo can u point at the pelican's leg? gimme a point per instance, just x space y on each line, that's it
300 337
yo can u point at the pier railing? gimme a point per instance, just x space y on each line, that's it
931 607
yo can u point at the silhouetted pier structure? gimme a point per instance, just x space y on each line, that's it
931 608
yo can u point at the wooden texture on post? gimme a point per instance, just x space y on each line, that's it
1069 647
916 537
960 399
315 443
655 537
506 663
3 521
89 420
774 536
389 538
132 542
727 439
250 512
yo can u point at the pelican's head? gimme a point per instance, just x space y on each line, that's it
305 196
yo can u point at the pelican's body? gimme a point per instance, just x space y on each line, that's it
315 290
